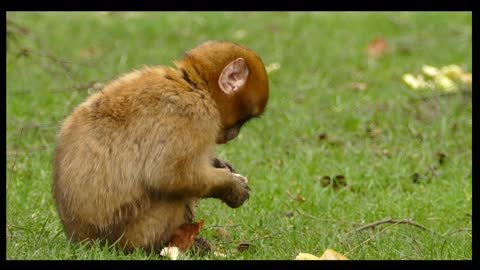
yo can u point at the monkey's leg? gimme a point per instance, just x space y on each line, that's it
154 226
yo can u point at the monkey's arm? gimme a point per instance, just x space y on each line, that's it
183 167
202 181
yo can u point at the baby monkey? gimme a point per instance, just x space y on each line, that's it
132 160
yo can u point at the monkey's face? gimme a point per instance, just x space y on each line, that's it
238 81
243 95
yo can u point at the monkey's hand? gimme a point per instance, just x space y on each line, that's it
218 163
235 192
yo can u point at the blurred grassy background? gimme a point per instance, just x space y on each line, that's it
334 110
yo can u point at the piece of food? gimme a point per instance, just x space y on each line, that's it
329 254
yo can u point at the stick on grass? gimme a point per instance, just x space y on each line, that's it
408 221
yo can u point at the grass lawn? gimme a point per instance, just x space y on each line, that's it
333 111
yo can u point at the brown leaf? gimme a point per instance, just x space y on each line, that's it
325 181
322 136
184 236
296 197
337 182
416 177
299 198
243 246
441 157
359 86
384 152
201 246
377 47
222 233
88 52
374 132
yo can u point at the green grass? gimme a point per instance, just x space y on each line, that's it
320 55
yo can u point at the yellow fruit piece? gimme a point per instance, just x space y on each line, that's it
306 256
411 81
452 71
329 254
273 67
415 82
430 71
445 83
466 78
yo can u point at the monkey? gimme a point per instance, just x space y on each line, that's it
132 160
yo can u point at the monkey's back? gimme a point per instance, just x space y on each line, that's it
119 140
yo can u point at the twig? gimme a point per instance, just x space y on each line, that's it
458 231
20 28
408 221
14 159
32 125
63 63
223 226
370 238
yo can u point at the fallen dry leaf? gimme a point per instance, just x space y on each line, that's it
185 235
441 157
375 132
201 246
243 246
377 47
416 177
299 198
329 254
88 52
337 182
222 233
296 197
322 136
359 86
384 152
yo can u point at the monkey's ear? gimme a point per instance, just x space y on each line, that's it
233 76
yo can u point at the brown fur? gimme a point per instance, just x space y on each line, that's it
132 159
